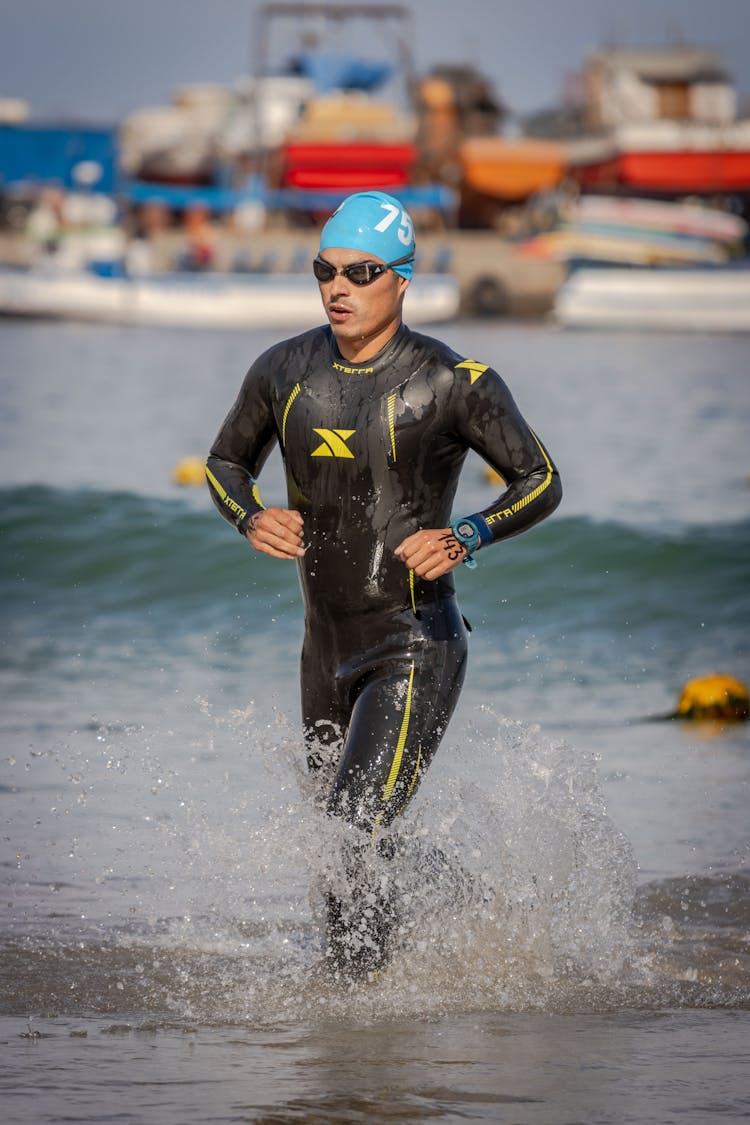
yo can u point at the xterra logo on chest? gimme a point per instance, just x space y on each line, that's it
333 443
351 370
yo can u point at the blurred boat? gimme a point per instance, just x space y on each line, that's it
184 300
624 247
356 131
710 299
644 215
633 231
660 121
510 169
677 157
344 167
497 174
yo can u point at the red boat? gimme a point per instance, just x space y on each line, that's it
660 120
345 167
679 159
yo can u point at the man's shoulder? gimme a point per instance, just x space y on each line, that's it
440 356
432 348
468 368
303 346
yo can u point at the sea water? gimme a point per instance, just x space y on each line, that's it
574 939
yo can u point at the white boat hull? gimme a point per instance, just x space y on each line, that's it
286 301
699 300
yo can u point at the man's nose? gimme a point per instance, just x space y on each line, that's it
341 286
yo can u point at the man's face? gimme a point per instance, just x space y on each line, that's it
363 317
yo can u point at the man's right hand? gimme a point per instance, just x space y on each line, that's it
277 532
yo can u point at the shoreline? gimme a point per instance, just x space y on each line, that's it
494 279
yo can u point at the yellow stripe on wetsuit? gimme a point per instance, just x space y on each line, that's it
295 391
392 423
411 592
525 500
235 508
399 753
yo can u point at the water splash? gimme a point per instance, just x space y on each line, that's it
512 886
515 890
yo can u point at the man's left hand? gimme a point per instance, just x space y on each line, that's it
431 552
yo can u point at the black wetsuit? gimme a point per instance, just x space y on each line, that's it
373 453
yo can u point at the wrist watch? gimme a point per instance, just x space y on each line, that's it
467 533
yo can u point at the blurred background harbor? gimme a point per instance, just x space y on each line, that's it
626 202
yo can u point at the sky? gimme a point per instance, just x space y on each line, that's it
98 60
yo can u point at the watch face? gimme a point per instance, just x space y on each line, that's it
466 529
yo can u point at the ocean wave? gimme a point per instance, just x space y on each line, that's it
63 537
103 558
123 551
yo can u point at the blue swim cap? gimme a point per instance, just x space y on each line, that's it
375 223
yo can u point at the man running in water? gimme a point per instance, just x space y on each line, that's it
374 423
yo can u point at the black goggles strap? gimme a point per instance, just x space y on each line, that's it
402 261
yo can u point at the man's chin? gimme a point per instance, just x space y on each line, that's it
344 330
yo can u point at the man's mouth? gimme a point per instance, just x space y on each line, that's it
338 312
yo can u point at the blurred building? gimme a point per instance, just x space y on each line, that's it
624 86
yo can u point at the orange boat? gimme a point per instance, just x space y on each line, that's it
510 170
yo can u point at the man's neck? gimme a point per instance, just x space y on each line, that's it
366 347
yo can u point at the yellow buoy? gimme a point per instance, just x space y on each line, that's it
190 471
492 476
714 697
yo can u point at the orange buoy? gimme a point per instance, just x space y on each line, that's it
714 697
190 471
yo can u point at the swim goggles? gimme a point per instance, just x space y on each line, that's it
359 273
